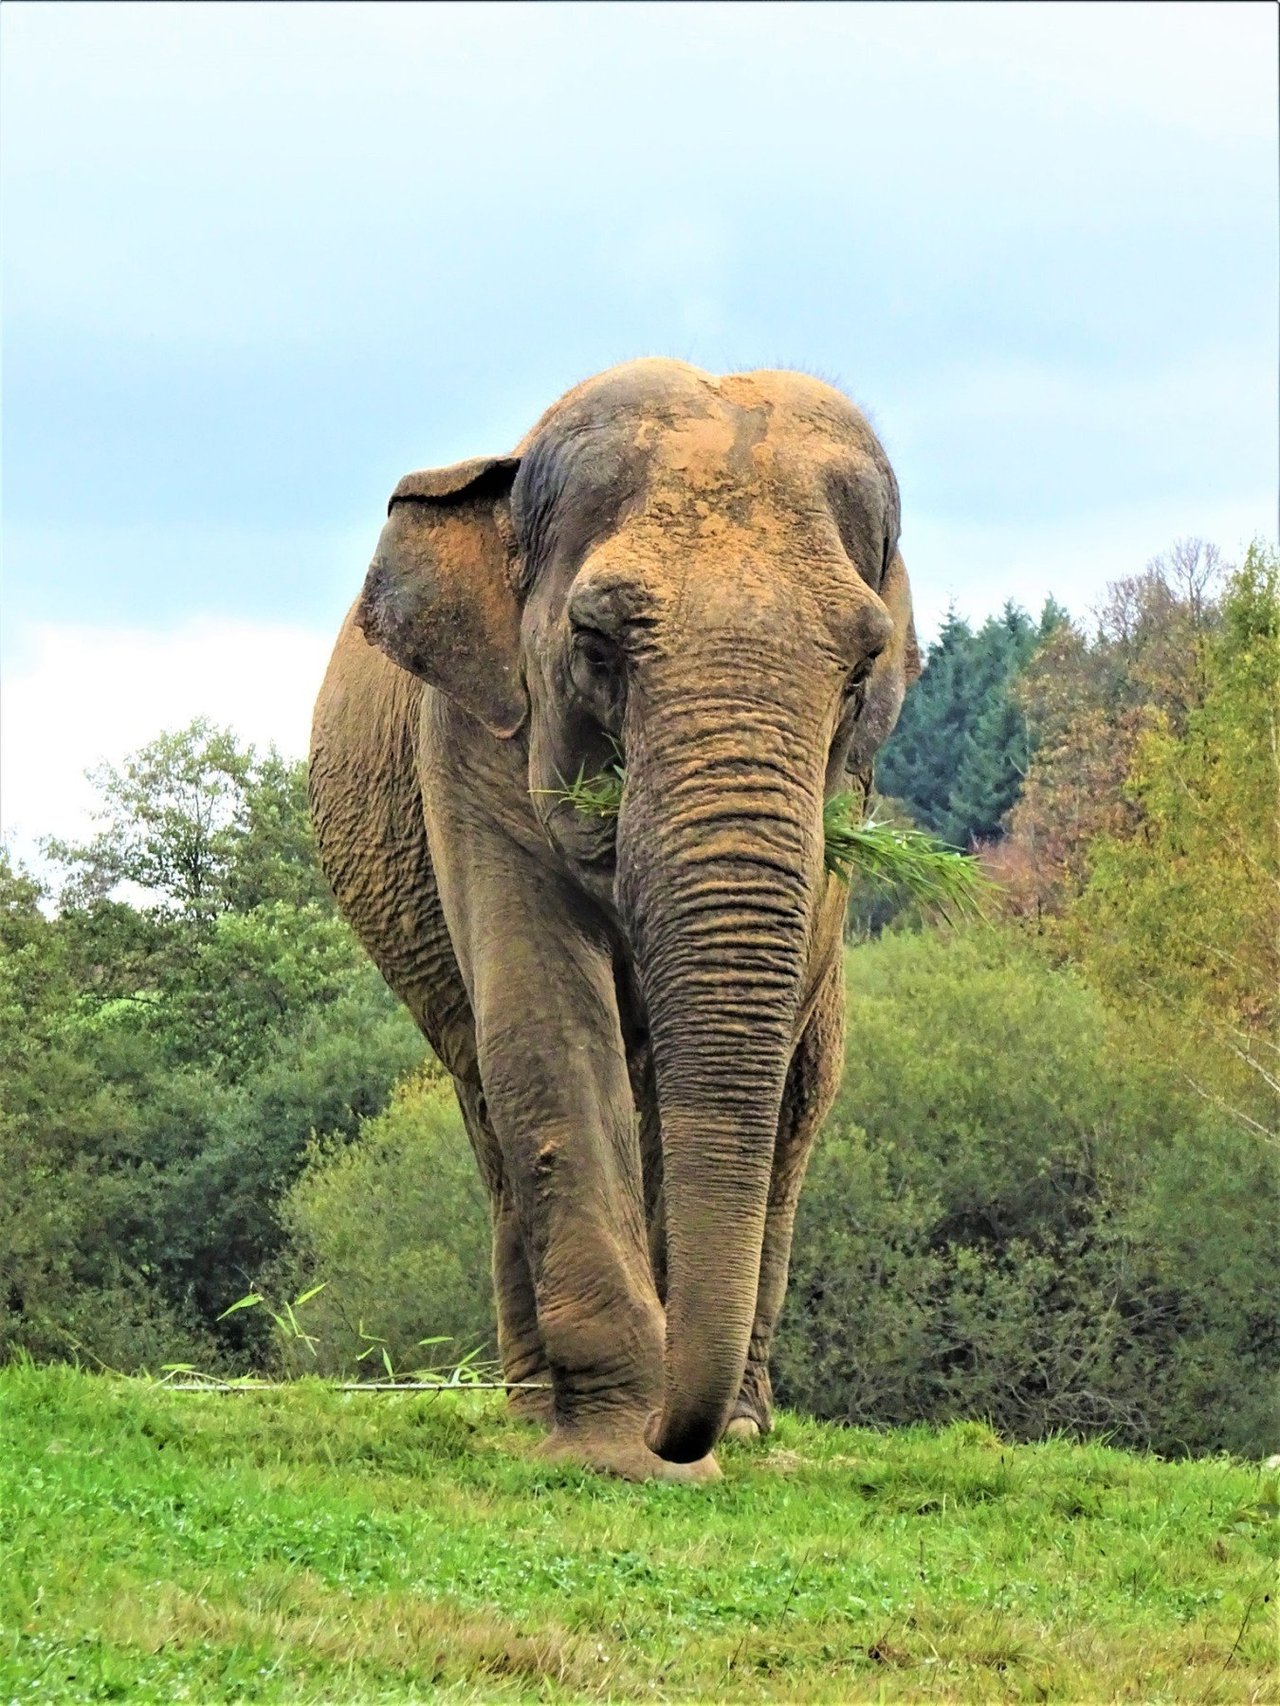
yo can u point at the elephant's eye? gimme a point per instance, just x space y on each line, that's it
856 679
596 670
598 653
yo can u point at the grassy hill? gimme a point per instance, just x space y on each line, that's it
306 1545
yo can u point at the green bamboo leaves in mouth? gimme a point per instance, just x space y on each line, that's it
598 797
937 877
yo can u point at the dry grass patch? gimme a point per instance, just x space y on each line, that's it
299 1621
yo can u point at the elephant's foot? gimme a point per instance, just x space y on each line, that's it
618 1451
752 1413
530 1394
527 1404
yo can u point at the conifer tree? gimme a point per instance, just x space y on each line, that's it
962 745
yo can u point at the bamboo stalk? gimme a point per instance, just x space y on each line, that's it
360 1386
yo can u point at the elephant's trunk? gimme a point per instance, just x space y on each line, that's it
719 853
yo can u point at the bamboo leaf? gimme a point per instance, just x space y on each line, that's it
250 1302
935 875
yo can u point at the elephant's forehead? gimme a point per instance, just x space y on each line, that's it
691 419
729 458
700 453
748 453
665 457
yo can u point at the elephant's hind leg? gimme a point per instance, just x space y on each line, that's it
812 1082
520 1349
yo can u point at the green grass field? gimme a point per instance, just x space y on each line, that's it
306 1545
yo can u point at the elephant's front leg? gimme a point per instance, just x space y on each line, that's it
812 1081
553 1067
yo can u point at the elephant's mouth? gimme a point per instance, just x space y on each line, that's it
601 857
580 818
589 843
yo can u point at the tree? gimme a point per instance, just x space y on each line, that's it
962 745
918 763
194 824
74 1171
1181 909
1020 1210
275 858
198 911
404 1200
169 824
228 1152
1088 699
170 1042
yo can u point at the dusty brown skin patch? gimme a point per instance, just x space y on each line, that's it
643 1018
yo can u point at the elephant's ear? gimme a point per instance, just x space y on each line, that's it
438 598
892 673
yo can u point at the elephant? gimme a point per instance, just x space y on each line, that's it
690 584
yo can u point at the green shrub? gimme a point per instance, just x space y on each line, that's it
216 1223
1012 1216
396 1227
142 1197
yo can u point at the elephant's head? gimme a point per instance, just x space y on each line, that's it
697 578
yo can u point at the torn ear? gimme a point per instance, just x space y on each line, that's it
438 598
893 672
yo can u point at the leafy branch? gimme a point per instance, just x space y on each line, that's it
933 874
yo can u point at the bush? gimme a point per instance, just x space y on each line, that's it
216 1223
144 1197
1012 1216
396 1226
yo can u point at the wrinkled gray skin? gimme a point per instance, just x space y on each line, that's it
643 1017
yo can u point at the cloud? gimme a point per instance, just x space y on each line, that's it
283 175
678 262
85 694
262 260
1206 69
159 570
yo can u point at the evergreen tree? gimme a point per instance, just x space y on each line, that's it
990 776
962 746
918 763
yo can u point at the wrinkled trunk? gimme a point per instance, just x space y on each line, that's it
719 852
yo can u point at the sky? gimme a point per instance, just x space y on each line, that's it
260 260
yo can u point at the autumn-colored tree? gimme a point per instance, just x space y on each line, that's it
1180 913
1089 700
